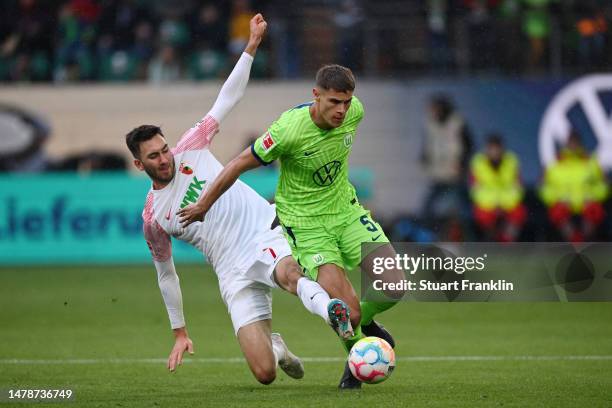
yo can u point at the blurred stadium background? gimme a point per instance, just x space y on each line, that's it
486 120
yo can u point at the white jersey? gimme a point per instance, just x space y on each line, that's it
229 230
229 234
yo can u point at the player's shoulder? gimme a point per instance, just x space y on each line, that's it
357 106
290 120
296 114
147 211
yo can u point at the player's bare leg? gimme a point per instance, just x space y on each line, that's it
262 351
369 309
333 279
288 275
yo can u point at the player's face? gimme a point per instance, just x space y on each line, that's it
156 160
332 105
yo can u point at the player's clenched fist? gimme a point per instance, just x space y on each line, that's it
258 27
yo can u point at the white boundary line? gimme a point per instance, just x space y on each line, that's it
235 360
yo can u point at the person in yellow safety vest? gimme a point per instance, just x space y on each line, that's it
575 187
496 192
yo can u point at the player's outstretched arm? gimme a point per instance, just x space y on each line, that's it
234 87
228 176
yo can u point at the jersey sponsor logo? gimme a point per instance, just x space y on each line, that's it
310 153
185 169
193 192
348 140
318 259
327 173
267 143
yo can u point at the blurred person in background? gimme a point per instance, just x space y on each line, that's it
537 29
239 26
574 190
348 20
445 157
481 32
438 21
592 28
25 41
76 35
497 192
165 66
209 26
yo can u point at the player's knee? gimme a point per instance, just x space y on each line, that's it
288 277
265 375
294 274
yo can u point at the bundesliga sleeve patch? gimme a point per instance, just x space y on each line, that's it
267 142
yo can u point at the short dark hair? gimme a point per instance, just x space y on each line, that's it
335 77
495 139
141 134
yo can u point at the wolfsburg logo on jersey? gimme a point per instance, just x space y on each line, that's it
193 192
326 174
318 259
348 140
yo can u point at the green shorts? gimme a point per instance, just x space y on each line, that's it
337 242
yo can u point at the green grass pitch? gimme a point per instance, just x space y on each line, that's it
103 332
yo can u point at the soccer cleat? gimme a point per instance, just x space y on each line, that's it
348 380
378 330
288 361
339 318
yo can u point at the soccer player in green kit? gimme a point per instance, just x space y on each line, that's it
323 221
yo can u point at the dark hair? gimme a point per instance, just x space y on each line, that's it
141 134
495 139
444 105
335 77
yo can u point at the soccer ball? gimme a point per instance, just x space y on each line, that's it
371 360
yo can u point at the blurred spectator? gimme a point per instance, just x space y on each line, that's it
76 35
509 37
481 34
592 28
22 138
209 28
445 156
348 21
29 44
574 190
143 48
239 26
537 28
496 192
440 56
165 67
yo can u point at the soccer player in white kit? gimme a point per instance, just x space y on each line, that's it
248 256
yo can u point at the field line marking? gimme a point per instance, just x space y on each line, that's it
236 360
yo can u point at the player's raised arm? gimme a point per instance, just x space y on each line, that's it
235 85
201 135
228 176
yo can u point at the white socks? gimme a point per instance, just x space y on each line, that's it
314 297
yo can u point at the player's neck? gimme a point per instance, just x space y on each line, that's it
317 119
158 185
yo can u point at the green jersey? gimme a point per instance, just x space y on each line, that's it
313 186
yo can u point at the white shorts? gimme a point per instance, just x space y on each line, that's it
247 291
